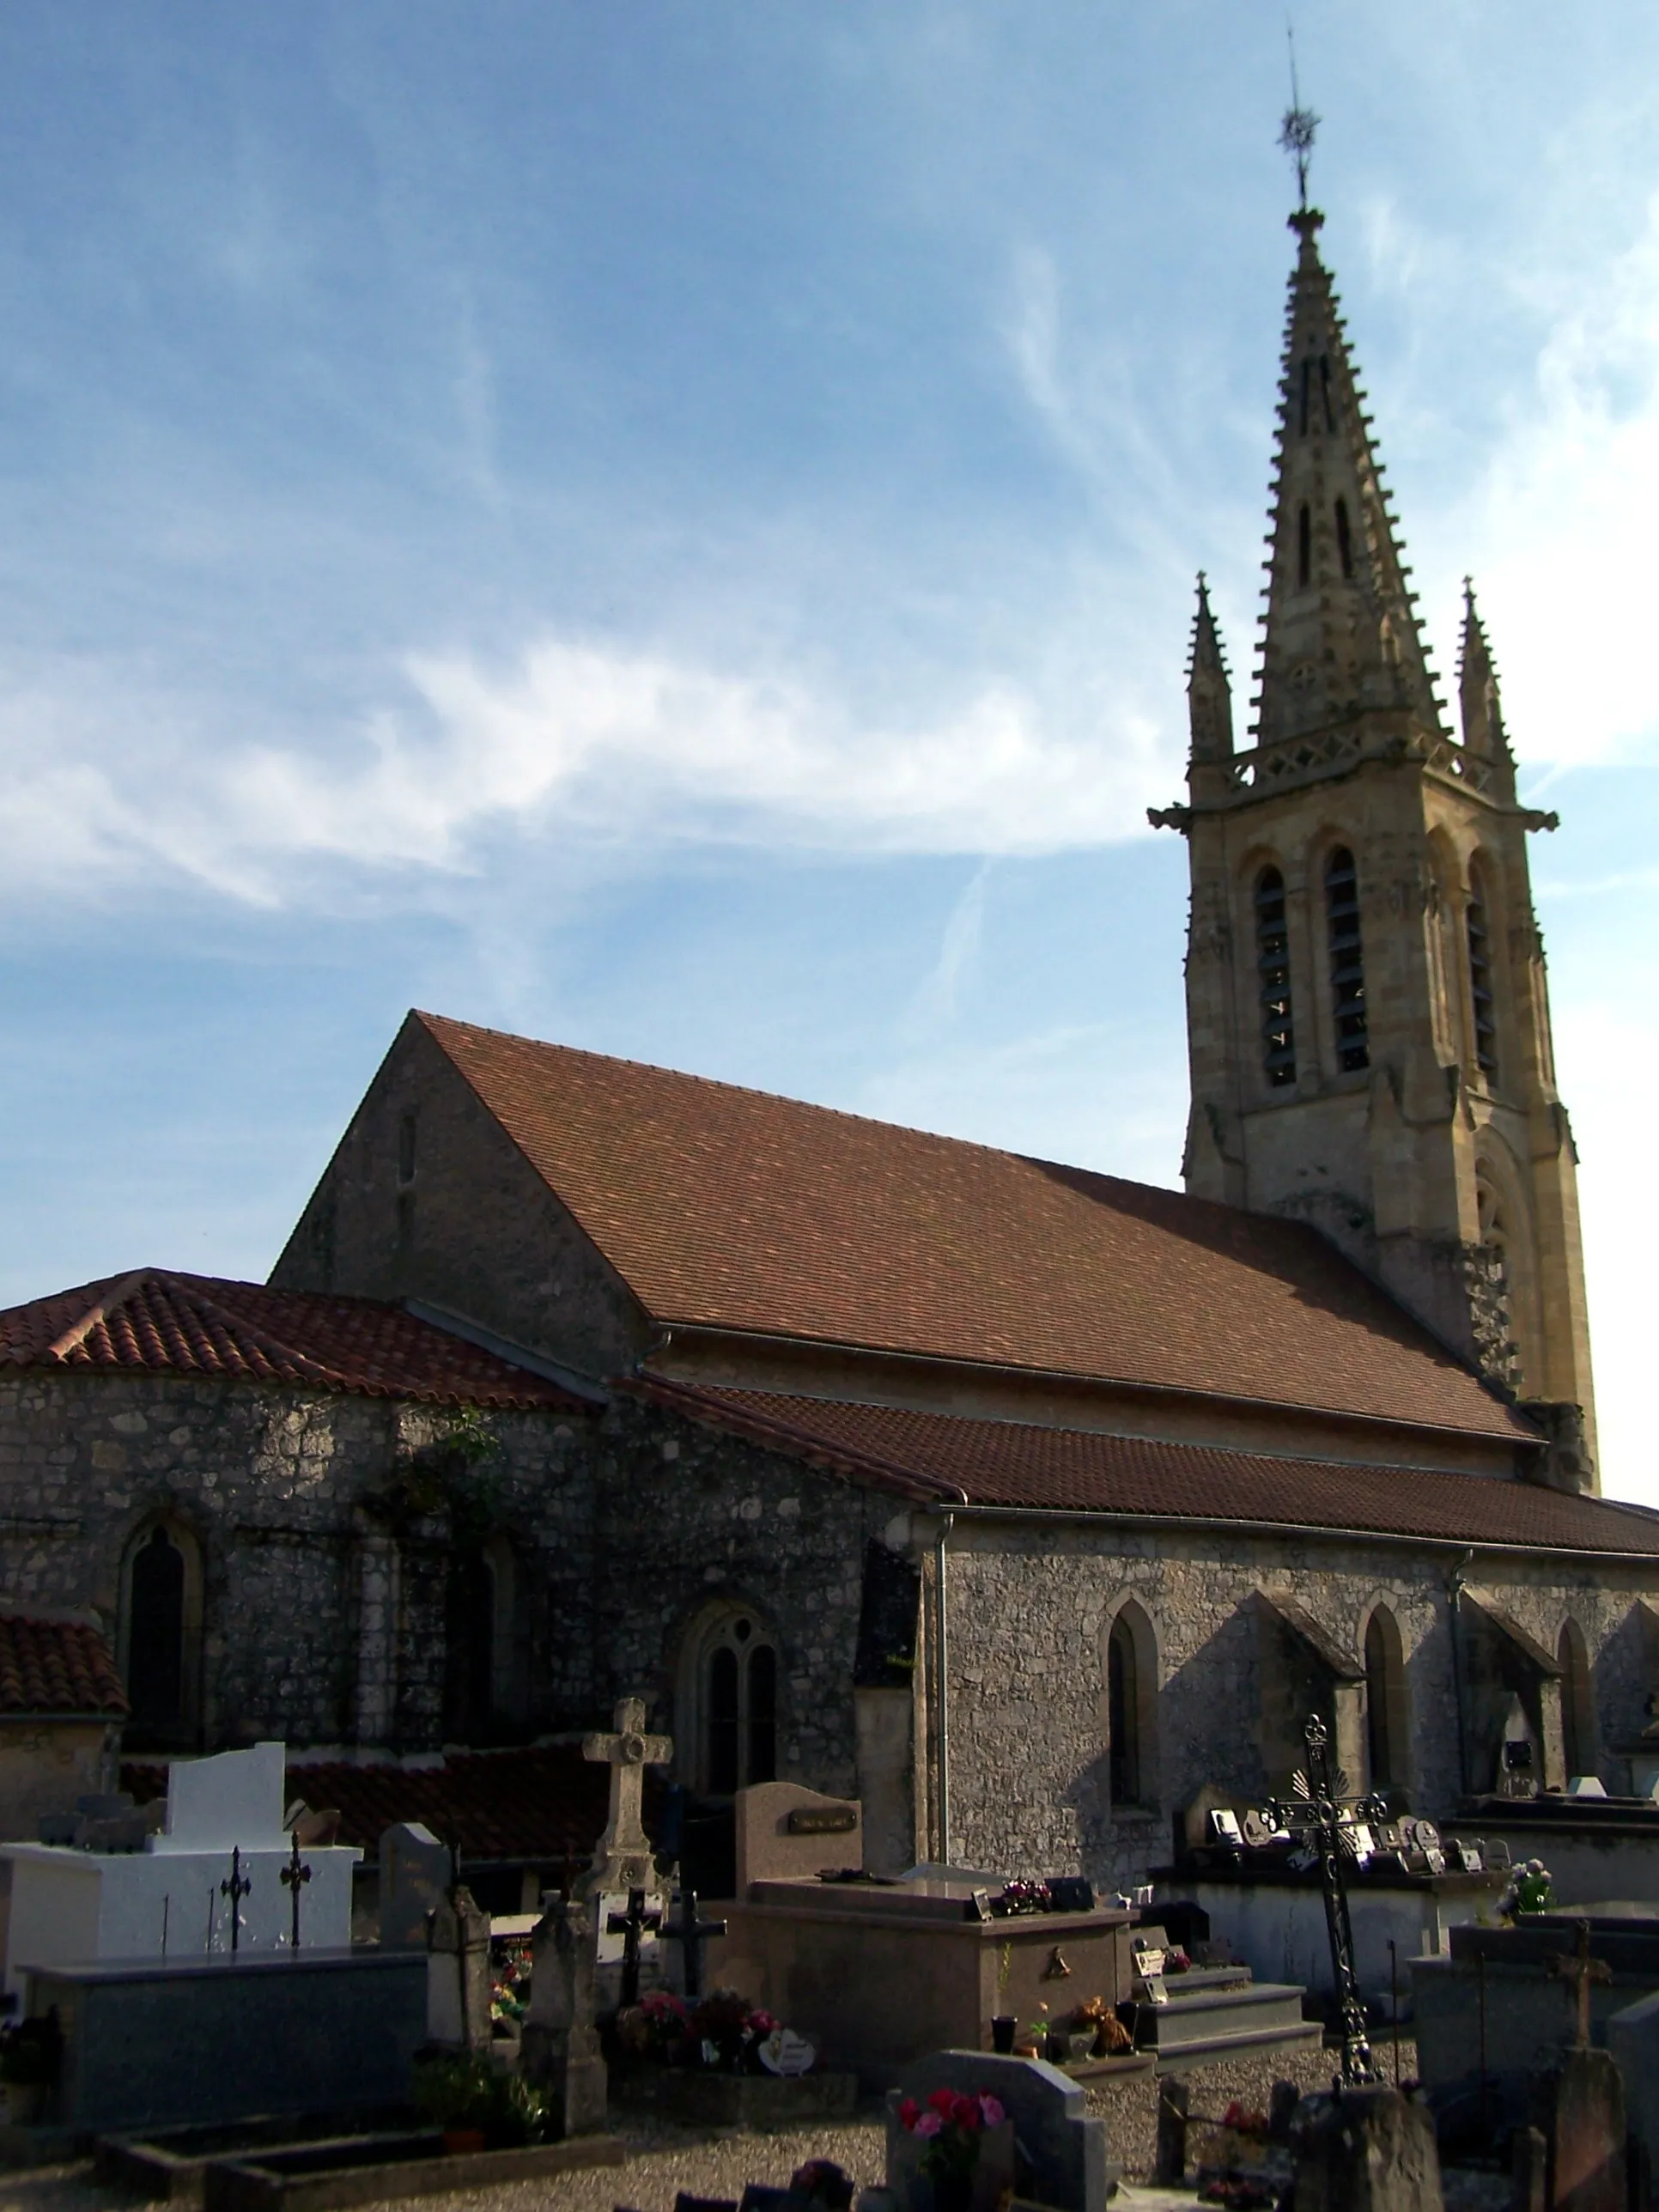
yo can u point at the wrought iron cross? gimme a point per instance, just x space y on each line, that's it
1313 1815
631 1926
293 1878
235 1889
690 1931
1578 1968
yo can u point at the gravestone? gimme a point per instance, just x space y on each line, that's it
559 2049
1365 2149
1633 2043
1062 2145
785 1833
624 1860
457 1973
1589 2134
415 1871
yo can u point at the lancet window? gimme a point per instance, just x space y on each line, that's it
1344 537
1273 958
1303 544
1482 1004
1347 961
742 1706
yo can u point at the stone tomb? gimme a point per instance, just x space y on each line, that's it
1634 2044
785 1833
1501 1993
171 1899
1061 2149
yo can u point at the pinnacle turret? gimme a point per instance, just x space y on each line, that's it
1209 688
1478 700
1341 636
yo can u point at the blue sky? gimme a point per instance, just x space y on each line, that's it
672 527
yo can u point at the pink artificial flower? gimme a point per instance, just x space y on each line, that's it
991 2111
928 2124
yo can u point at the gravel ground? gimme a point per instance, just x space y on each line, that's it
662 2160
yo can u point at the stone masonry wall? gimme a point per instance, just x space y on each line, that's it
1029 1612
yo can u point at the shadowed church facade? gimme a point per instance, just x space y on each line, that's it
1025 1501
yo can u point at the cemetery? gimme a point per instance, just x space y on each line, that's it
190 2006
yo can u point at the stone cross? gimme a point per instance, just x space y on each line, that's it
1578 1968
623 1860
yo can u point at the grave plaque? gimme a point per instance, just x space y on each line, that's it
786 1833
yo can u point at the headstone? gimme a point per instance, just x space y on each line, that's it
415 1871
234 1798
786 1833
1529 2170
559 2049
1367 2149
1633 2042
457 1973
1589 2134
624 1859
1065 2146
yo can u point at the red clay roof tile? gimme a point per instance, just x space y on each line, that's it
57 1667
1008 1463
732 1209
160 1322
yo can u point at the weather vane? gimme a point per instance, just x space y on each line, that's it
1296 134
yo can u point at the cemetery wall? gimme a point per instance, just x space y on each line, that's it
1030 1611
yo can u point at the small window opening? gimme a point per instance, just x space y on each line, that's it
406 1148
1379 1748
1303 544
1307 373
1273 956
1325 391
1481 990
1344 538
155 1639
1347 961
1123 1716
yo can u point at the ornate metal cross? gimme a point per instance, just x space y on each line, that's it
235 1889
293 1877
690 1931
631 1926
1314 1814
1578 1968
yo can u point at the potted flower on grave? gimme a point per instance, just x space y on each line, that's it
477 2105
953 2127
30 2055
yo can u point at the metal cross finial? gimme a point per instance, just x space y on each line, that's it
1578 1968
690 1931
293 1877
631 1926
1315 1813
1297 133
235 1889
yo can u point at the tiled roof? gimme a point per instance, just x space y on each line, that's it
1008 1463
547 1802
726 1208
60 1667
160 1322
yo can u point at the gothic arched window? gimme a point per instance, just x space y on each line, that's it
732 1683
162 1599
1387 1723
1303 544
1577 1700
1131 1707
1273 960
1483 1003
1344 538
1347 961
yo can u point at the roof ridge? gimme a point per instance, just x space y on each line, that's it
71 1339
265 1338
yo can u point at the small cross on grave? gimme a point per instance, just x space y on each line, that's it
1578 1968
631 1926
294 1877
236 1888
622 1859
690 1931
1314 1816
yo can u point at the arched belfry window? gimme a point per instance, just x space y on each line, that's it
1347 961
1482 1001
729 1691
1273 960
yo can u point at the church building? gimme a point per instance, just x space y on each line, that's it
1030 1503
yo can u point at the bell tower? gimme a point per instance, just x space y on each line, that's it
1368 1021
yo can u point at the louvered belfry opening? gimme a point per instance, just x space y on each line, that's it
1272 957
1347 961
1481 1001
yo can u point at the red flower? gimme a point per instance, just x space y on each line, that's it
909 2113
965 2112
943 2101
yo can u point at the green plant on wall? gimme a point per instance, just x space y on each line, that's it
451 1475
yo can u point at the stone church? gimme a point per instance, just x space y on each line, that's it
1026 1502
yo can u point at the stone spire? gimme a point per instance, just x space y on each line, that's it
1341 638
1481 707
1209 689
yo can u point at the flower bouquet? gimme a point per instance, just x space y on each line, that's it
953 2127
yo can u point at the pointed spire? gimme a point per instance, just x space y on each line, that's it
1478 699
1341 636
1209 688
